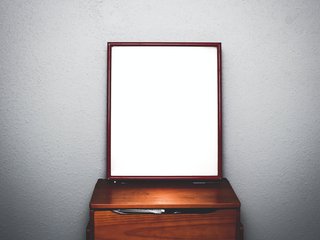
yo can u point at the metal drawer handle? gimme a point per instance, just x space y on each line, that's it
164 211
139 211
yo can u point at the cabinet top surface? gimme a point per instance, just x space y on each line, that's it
108 195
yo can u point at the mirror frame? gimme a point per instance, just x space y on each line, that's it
219 107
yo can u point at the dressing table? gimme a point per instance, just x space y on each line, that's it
164 147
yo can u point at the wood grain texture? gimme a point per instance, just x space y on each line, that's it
219 225
163 195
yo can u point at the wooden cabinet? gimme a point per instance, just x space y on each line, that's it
189 210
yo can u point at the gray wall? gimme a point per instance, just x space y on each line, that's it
53 97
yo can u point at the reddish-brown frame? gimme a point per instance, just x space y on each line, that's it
219 101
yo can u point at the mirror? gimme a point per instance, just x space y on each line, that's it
164 111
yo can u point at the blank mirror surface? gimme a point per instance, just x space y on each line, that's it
163 111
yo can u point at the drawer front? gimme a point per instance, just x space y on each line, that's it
218 225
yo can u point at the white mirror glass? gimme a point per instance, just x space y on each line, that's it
164 111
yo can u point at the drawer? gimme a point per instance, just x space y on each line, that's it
222 224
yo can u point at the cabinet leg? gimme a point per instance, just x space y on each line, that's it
241 232
89 229
88 232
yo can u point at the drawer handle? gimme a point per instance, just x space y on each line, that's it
139 211
164 211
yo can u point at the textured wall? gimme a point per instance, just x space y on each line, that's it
53 97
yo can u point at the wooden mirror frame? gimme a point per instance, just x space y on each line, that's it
216 45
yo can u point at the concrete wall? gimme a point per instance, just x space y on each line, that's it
53 97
